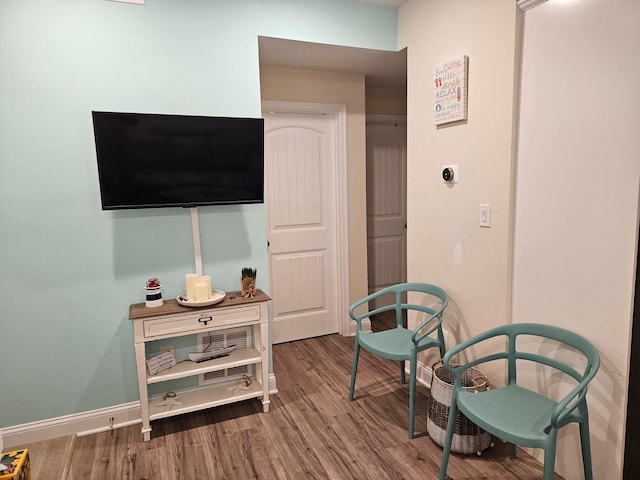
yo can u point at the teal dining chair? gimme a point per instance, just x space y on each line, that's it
517 414
400 343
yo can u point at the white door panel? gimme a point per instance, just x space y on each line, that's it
301 218
386 204
387 262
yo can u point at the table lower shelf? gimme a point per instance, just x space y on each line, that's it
239 357
200 398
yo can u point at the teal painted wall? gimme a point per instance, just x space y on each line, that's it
68 270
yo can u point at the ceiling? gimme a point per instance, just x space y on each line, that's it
381 68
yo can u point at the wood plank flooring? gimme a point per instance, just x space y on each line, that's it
311 432
50 459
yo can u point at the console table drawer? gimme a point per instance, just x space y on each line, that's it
207 320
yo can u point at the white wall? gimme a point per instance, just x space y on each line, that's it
577 198
443 220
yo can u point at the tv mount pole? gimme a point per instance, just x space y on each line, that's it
195 227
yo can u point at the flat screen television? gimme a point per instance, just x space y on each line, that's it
152 160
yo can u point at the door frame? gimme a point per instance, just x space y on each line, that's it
631 462
339 114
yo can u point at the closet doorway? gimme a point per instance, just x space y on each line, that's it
386 200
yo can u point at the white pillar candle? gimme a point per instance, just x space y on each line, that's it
201 292
206 279
191 279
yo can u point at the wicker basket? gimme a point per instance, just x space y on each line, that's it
467 437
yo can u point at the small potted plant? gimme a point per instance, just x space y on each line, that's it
248 282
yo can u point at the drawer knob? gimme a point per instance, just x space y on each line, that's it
204 320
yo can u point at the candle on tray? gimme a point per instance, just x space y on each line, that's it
202 292
206 279
191 279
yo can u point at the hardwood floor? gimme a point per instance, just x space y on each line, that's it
50 459
311 432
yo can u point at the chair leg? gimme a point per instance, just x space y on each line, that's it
354 370
448 438
585 441
402 374
550 457
412 396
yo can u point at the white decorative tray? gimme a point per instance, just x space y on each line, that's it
216 297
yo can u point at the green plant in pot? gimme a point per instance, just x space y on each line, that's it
248 282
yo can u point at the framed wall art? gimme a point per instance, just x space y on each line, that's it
450 91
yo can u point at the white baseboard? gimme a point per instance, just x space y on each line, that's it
366 327
80 424
273 389
424 374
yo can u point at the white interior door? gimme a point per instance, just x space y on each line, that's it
386 204
300 197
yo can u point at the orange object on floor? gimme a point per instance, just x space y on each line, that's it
17 463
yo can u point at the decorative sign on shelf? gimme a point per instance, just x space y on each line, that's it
450 91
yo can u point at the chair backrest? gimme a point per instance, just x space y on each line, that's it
400 303
558 334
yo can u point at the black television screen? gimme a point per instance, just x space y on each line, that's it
152 160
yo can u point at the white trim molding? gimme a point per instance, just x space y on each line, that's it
424 374
81 424
525 5
366 326
273 388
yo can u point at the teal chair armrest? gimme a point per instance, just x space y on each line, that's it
368 313
563 410
435 318
573 399
354 307
458 368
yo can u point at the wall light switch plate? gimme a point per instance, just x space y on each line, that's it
485 215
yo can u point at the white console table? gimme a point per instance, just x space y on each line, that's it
174 320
